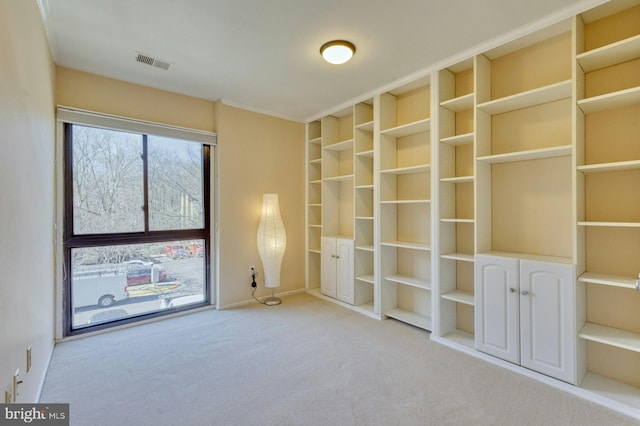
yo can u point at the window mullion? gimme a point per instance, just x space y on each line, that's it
68 181
145 173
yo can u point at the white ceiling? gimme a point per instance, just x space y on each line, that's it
263 54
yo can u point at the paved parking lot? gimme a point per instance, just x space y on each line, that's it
185 279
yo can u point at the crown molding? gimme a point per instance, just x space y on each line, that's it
45 14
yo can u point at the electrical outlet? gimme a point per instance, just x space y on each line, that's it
28 358
16 382
252 270
8 394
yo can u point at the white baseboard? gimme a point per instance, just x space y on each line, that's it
46 370
316 292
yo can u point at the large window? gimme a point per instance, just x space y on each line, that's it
137 225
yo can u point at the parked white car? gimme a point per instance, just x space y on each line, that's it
103 291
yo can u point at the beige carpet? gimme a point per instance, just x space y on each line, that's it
305 362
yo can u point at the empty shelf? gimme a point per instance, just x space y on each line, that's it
460 296
407 244
611 336
366 278
409 129
458 140
607 279
610 167
534 154
340 146
550 93
460 103
613 100
409 317
410 281
611 54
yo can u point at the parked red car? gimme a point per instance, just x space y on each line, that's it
196 249
140 273
177 251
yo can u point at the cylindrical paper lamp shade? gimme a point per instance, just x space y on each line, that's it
272 240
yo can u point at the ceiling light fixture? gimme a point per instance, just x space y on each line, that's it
337 51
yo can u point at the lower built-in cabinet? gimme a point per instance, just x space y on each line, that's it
524 313
337 277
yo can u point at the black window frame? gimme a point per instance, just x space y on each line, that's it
73 241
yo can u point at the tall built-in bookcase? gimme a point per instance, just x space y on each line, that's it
524 277
607 61
456 176
340 193
405 203
365 252
338 207
527 153
314 203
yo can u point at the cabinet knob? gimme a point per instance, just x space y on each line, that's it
337 257
525 292
512 290
333 255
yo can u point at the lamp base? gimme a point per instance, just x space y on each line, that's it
272 301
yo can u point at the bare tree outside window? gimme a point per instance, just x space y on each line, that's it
107 181
175 184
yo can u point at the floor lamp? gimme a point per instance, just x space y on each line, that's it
272 242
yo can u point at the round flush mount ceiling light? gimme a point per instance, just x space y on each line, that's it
337 51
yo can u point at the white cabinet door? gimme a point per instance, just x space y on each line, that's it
496 310
345 270
328 285
547 333
337 271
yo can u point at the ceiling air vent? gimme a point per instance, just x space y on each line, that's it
150 60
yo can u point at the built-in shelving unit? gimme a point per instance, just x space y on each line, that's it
314 202
404 187
607 62
456 188
365 256
528 151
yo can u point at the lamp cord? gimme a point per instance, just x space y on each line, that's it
253 294
255 287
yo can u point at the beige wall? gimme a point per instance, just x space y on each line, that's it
95 93
257 154
26 196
